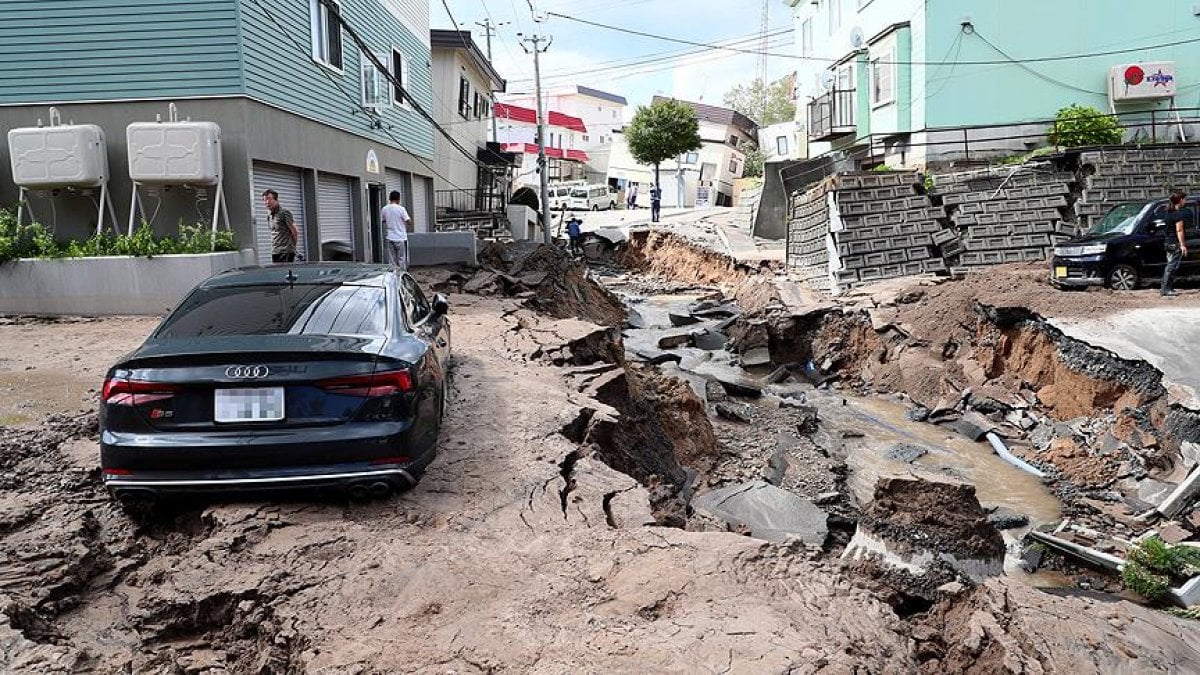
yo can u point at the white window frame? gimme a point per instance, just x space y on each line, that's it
692 157
878 98
322 53
403 101
806 38
835 16
782 146
380 83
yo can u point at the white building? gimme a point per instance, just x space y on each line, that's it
602 114
464 88
704 176
783 141
517 133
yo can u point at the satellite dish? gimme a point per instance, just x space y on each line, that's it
827 80
856 37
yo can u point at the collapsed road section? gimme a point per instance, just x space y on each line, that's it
586 513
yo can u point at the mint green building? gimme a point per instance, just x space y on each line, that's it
898 80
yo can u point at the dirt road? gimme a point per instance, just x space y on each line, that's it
518 552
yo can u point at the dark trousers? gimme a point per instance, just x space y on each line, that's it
655 209
1174 257
283 257
574 243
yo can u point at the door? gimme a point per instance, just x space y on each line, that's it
336 207
431 383
1153 254
376 199
422 198
396 181
289 183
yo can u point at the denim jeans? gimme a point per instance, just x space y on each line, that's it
398 254
1174 256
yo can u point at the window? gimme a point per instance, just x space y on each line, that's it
882 91
806 38
326 33
691 158
835 16
400 71
374 84
733 140
479 106
585 138
464 98
781 145
733 166
416 307
302 309
845 77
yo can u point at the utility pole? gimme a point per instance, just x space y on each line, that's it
534 44
489 29
764 29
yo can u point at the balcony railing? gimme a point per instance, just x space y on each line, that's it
831 115
468 201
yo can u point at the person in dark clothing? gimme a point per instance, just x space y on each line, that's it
284 233
655 202
1175 222
574 233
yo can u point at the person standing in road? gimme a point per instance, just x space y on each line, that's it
1175 223
632 198
396 221
284 233
655 202
574 232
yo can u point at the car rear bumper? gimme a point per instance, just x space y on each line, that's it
338 456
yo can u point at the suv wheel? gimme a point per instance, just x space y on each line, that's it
1123 278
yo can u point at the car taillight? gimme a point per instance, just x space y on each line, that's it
384 383
118 391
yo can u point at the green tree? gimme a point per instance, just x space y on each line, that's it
755 159
748 99
1080 125
662 131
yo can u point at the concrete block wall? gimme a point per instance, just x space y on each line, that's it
484 225
1004 214
1117 175
808 237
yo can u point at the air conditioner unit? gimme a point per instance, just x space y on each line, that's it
1143 81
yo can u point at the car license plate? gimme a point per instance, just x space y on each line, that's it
249 405
1060 273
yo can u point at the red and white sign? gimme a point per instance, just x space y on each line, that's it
1143 81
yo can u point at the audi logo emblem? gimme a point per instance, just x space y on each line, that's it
247 372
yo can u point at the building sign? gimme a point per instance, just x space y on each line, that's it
372 162
703 196
1143 81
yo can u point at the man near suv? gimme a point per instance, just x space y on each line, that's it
1175 221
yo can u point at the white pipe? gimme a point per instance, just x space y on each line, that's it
999 447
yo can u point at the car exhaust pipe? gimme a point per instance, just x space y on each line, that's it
409 481
380 489
358 491
134 498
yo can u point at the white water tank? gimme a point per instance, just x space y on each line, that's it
46 158
174 152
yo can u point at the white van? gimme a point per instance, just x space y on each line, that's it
591 198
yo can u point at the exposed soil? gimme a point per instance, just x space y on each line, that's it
522 550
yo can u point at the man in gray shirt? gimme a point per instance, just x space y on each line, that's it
284 234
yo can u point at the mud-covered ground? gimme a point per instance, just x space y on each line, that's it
520 551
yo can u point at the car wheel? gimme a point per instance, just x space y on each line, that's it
595 207
612 206
1123 278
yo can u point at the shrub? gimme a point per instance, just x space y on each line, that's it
34 241
1152 566
1080 125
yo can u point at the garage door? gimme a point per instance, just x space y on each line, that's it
337 211
395 181
287 181
422 197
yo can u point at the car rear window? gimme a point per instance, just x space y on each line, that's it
279 310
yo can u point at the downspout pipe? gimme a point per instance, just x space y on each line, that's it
1002 450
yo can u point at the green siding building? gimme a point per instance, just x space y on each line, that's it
300 109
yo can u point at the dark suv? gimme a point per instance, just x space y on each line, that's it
1124 249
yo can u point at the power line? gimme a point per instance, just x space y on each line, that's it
1035 73
1040 59
350 97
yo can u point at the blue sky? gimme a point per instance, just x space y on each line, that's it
705 75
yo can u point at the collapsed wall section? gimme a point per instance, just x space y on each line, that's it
808 244
882 228
1113 176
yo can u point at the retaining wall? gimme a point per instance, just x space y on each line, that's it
108 285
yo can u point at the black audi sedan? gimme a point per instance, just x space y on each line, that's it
1124 249
330 375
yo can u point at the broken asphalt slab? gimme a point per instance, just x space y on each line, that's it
768 512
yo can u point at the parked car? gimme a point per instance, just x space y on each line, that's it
592 198
330 375
1124 249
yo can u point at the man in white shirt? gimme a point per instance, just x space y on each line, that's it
395 221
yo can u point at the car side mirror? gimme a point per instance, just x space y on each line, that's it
440 305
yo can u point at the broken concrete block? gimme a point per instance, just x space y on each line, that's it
759 356
777 467
1191 454
658 358
734 412
826 498
674 341
708 340
768 512
679 320
715 391
906 452
635 320
741 389
780 374
1173 533
1183 497
974 428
